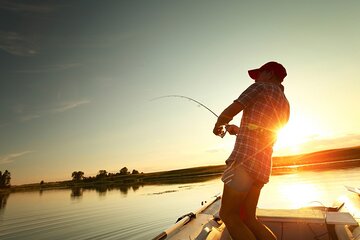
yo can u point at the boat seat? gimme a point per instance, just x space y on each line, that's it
306 216
291 215
340 218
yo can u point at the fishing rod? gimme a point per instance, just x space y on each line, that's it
193 100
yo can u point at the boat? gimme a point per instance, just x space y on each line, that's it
338 222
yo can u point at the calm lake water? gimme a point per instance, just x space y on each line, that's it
143 212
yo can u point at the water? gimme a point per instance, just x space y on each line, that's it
144 211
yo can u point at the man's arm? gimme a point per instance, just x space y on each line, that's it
226 116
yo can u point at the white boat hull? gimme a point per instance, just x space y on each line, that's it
286 224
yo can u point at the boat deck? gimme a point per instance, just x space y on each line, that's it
287 224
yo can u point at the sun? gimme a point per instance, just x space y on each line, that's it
289 139
292 138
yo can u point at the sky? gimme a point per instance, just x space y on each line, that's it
78 79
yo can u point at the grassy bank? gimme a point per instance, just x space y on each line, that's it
326 156
317 161
166 177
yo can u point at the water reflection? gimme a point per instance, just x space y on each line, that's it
299 194
124 189
352 203
3 201
76 193
135 187
140 211
102 189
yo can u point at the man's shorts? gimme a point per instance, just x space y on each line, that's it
236 177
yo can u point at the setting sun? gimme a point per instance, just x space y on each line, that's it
295 134
288 138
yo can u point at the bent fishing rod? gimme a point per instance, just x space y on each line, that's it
196 101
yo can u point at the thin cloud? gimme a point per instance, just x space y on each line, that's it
9 158
28 117
330 143
70 105
25 113
216 148
317 143
17 44
17 6
51 68
89 41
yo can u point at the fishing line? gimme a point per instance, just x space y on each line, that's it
224 131
189 98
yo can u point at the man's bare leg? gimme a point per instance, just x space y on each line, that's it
230 214
260 230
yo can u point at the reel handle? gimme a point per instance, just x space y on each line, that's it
223 131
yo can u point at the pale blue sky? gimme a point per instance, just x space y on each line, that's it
77 78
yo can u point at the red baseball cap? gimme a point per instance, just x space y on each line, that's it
276 67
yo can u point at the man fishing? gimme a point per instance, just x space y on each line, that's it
265 111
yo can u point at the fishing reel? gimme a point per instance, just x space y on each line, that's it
231 129
223 131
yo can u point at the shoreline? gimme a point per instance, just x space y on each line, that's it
317 161
189 175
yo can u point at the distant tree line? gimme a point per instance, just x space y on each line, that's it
5 179
79 175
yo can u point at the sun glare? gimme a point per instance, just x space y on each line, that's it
288 138
293 139
300 194
294 135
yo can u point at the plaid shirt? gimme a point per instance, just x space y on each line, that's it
266 110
